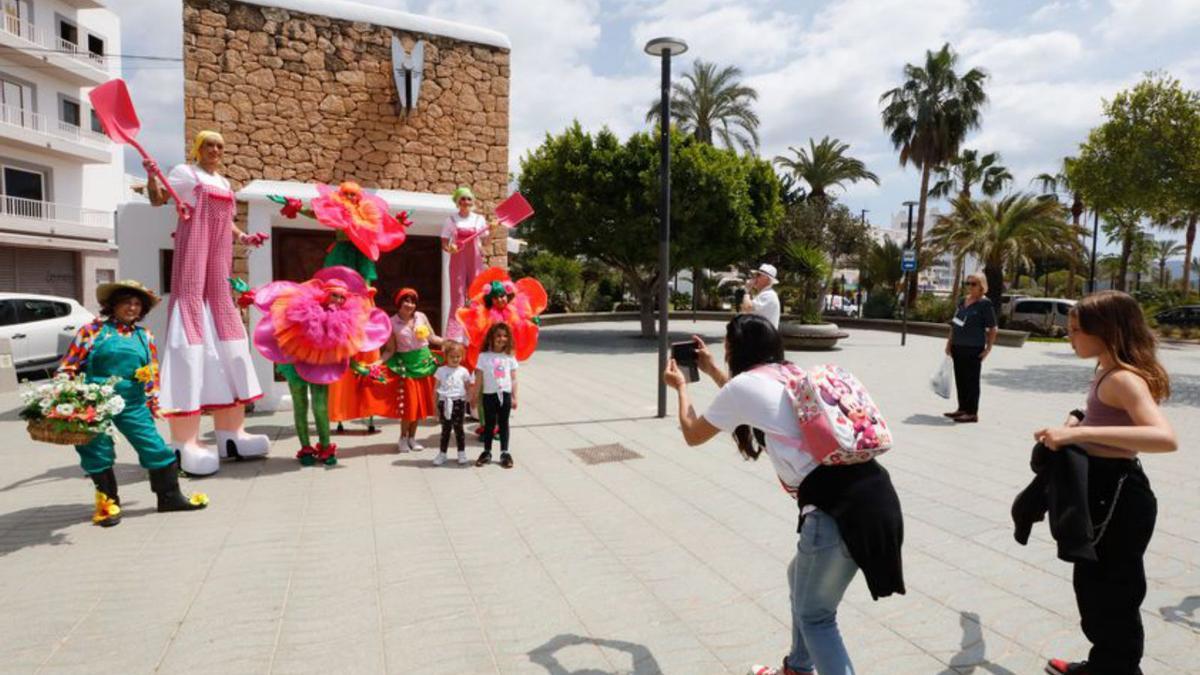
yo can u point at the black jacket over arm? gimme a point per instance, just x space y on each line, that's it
863 502
1060 488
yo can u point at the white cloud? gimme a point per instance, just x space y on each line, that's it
731 35
1022 57
1059 9
1144 21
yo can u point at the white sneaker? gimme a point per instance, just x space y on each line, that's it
440 459
414 445
462 458
402 447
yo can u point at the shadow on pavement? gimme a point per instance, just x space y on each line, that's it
127 474
38 526
929 420
1059 379
1185 613
641 660
972 650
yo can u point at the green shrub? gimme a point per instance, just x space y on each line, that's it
880 305
933 309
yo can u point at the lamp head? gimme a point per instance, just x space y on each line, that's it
666 45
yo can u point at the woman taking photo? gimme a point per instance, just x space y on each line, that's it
849 515
1122 419
972 334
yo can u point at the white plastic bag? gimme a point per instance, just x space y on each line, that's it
943 378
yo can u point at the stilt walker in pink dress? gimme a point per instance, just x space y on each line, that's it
462 237
206 362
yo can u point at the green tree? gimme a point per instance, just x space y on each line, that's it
597 197
561 276
958 176
967 170
879 268
1164 250
712 103
928 117
1005 234
1145 158
1052 185
823 166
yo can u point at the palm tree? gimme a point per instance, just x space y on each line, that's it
1187 224
712 103
928 116
1005 234
1051 185
880 267
823 166
1164 250
1124 226
968 169
959 176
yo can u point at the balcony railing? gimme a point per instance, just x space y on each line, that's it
37 38
33 209
13 116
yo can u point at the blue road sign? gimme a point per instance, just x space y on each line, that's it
908 260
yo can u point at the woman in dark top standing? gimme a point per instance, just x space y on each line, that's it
972 334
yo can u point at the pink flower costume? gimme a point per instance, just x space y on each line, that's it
206 358
496 299
312 330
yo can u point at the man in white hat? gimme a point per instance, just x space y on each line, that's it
762 298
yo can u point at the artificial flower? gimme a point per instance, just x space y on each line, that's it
496 298
106 507
362 216
319 325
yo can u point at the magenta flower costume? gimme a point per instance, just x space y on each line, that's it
312 331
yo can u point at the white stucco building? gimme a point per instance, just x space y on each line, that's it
60 177
936 277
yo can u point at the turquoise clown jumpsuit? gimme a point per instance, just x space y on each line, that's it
102 350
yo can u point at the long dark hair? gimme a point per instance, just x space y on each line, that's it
751 341
1117 320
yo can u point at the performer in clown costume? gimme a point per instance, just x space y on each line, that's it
495 298
312 330
206 358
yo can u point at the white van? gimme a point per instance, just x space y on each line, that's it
1042 311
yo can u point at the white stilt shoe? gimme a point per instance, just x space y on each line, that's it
197 460
233 444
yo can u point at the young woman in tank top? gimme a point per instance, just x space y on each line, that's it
1122 419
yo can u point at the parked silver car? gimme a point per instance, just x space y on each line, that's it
1043 312
39 327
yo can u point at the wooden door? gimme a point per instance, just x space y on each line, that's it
298 254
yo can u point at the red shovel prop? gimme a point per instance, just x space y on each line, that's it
510 213
113 106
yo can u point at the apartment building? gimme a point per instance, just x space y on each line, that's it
60 177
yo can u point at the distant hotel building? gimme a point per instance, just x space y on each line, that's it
60 177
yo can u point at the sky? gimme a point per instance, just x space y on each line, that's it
819 68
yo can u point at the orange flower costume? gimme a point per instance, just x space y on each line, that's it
495 298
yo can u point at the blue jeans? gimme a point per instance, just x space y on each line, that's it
818 577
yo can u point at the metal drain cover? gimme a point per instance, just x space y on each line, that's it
601 454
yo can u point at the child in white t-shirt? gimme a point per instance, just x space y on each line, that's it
452 380
496 373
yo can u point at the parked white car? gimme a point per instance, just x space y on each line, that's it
39 327
1042 311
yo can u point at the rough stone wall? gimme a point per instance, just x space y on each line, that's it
307 98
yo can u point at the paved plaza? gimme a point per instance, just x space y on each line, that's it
671 560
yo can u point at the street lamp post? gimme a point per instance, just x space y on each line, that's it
665 48
904 305
1095 235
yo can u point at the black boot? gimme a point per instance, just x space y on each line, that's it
165 483
108 504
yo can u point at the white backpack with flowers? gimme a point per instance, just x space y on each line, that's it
839 421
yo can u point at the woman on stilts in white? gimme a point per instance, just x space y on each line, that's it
206 358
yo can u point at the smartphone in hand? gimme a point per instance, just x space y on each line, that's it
686 358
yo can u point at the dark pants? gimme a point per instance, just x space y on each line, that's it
452 423
496 408
1110 591
967 366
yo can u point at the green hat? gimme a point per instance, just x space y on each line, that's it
461 192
